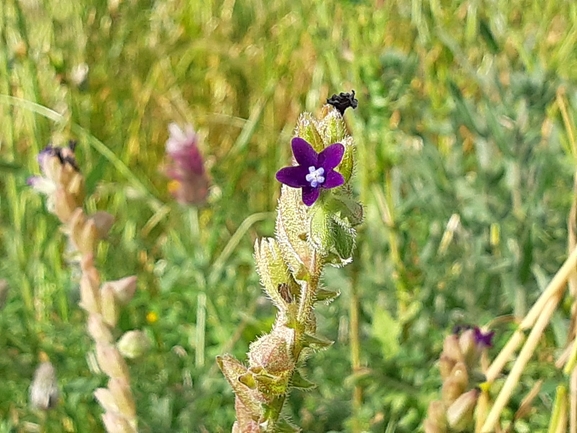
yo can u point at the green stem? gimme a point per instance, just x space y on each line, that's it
355 346
306 303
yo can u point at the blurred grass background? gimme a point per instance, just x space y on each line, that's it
466 153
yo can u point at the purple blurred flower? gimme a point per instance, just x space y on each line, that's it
483 339
186 167
315 171
44 183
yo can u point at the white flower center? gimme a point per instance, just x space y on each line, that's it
315 176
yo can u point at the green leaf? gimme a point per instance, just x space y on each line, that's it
283 426
324 295
343 236
320 229
300 382
386 330
342 203
487 35
316 341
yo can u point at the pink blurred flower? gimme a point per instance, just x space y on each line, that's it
189 183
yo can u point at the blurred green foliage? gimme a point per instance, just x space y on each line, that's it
466 155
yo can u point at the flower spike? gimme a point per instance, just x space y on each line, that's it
315 171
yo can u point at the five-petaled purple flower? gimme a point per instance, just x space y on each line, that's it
483 339
314 170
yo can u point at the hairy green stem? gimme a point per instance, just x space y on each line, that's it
357 397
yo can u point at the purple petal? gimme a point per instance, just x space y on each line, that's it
484 338
293 176
332 156
333 179
304 152
310 195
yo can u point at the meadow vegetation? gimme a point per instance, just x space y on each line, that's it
466 155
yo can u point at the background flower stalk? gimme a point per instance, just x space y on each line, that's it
63 185
315 224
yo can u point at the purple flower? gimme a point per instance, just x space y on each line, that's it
483 339
315 171
44 183
186 168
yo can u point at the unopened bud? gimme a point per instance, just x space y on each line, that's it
455 384
115 423
110 309
64 205
103 222
98 329
468 346
446 365
436 414
110 361
133 344
250 399
124 289
460 413
106 400
89 297
430 427
83 232
451 348
271 352
44 390
120 389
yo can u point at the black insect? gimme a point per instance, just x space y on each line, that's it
342 101
65 154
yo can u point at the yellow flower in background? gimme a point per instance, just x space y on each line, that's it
151 317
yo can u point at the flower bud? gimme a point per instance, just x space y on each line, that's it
436 414
98 329
307 129
460 413
467 343
106 400
272 353
89 296
88 269
103 222
274 273
250 400
446 365
115 423
64 205
120 390
455 384
110 310
430 427
451 348
123 289
133 344
245 420
44 390
83 232
110 361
